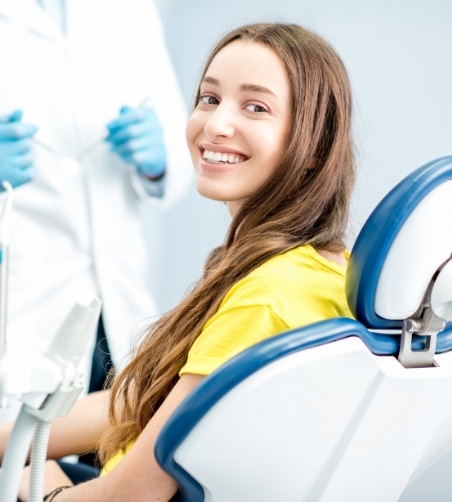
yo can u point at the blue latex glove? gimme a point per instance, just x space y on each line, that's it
16 158
137 137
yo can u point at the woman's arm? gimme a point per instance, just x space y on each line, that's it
137 476
77 432
80 430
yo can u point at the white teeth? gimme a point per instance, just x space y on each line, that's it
218 157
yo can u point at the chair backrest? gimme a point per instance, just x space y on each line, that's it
401 245
327 412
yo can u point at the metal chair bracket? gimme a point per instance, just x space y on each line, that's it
424 323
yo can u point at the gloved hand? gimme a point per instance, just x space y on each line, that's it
137 137
16 158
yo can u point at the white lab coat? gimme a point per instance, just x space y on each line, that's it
80 236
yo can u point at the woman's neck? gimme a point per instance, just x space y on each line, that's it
337 257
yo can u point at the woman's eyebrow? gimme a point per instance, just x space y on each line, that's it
211 80
243 87
257 88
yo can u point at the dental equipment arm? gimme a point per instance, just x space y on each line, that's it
51 385
4 252
77 432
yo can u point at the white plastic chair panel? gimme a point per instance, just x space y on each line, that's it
332 423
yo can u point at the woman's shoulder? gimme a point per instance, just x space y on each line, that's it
285 273
302 259
302 286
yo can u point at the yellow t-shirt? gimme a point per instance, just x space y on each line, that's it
290 290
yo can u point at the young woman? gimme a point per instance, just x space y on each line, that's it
270 135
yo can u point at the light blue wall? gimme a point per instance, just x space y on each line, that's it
398 53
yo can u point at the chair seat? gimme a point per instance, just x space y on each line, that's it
357 423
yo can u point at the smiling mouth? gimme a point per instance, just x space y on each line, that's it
222 157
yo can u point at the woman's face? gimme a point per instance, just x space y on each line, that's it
236 134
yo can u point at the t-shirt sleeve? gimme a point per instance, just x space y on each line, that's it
229 332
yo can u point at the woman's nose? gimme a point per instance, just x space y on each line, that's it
220 123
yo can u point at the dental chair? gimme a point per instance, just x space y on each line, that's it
341 410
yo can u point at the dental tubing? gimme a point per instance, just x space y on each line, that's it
38 460
16 455
38 411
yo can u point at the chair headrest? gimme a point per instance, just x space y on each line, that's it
404 242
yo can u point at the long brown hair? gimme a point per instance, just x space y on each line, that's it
306 201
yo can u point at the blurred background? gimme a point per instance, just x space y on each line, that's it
398 54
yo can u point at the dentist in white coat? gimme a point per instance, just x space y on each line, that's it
69 69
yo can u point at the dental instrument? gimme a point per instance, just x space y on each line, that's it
4 259
70 165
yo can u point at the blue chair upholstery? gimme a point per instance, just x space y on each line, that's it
361 356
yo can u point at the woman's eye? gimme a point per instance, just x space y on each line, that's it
208 100
256 108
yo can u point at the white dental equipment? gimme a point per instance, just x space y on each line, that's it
47 382
4 257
